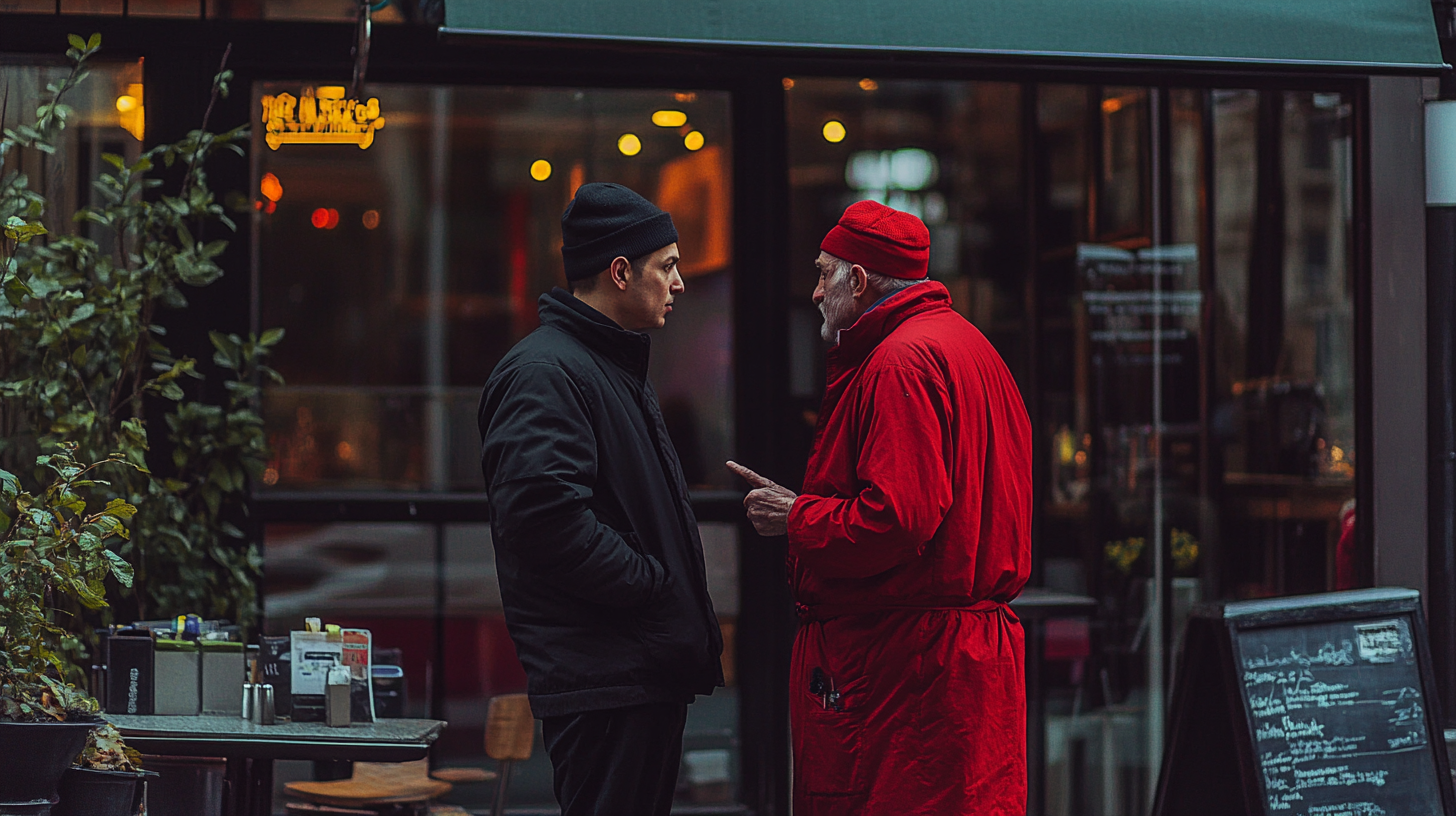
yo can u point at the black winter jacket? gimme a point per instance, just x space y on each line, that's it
597 550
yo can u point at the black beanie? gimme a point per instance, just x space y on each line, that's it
606 221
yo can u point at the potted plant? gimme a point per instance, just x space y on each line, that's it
106 779
80 355
53 544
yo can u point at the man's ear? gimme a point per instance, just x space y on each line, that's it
859 280
619 272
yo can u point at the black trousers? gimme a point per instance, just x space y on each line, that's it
620 762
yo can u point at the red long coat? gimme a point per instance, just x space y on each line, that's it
911 535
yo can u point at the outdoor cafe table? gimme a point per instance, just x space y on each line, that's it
250 748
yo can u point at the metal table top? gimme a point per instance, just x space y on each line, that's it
233 737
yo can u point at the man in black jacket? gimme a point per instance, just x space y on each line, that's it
597 551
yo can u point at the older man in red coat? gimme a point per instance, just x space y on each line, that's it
910 537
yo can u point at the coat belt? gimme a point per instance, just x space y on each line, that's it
818 613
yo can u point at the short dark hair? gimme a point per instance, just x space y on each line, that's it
589 284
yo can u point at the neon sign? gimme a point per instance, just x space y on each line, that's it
320 117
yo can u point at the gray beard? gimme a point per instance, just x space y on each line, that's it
837 308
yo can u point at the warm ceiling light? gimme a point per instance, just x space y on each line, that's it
694 140
1112 104
868 84
834 131
126 103
324 218
669 118
689 96
371 219
788 83
271 187
540 169
629 144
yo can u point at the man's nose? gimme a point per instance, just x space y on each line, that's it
677 286
818 294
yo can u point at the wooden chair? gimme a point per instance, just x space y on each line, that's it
373 785
510 735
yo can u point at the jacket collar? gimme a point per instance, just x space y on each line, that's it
627 349
857 341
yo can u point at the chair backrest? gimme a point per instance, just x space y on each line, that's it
510 730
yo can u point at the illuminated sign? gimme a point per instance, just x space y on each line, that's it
320 117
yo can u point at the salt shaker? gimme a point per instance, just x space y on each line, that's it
247 701
269 714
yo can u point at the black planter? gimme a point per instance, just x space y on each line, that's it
89 792
33 756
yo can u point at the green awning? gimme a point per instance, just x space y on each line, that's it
1364 35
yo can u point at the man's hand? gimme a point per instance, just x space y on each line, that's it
768 504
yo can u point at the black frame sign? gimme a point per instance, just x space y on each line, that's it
1315 705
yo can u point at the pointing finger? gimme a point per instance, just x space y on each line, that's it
750 476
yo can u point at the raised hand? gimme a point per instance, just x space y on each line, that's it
768 504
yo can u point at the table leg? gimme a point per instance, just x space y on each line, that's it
1035 630
261 795
235 788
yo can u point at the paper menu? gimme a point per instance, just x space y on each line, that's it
358 657
314 653
356 653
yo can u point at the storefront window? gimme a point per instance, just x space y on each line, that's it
403 271
1188 359
950 152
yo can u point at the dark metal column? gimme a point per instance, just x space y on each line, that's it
766 623
1441 370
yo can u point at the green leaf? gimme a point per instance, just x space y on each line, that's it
119 508
18 229
76 41
16 291
95 42
120 568
271 337
91 594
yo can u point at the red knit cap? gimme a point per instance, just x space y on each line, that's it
881 240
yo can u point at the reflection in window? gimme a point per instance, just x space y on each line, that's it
109 110
404 271
1284 415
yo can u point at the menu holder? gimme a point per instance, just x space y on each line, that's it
313 654
1306 706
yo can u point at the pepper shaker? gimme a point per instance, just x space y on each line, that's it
247 701
268 715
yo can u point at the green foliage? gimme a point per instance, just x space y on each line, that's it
81 353
55 543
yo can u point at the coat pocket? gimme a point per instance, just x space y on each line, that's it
831 759
669 633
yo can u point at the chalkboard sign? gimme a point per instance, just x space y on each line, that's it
1306 706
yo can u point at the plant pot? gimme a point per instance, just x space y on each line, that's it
89 792
34 755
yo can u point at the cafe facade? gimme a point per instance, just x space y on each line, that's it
1196 235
